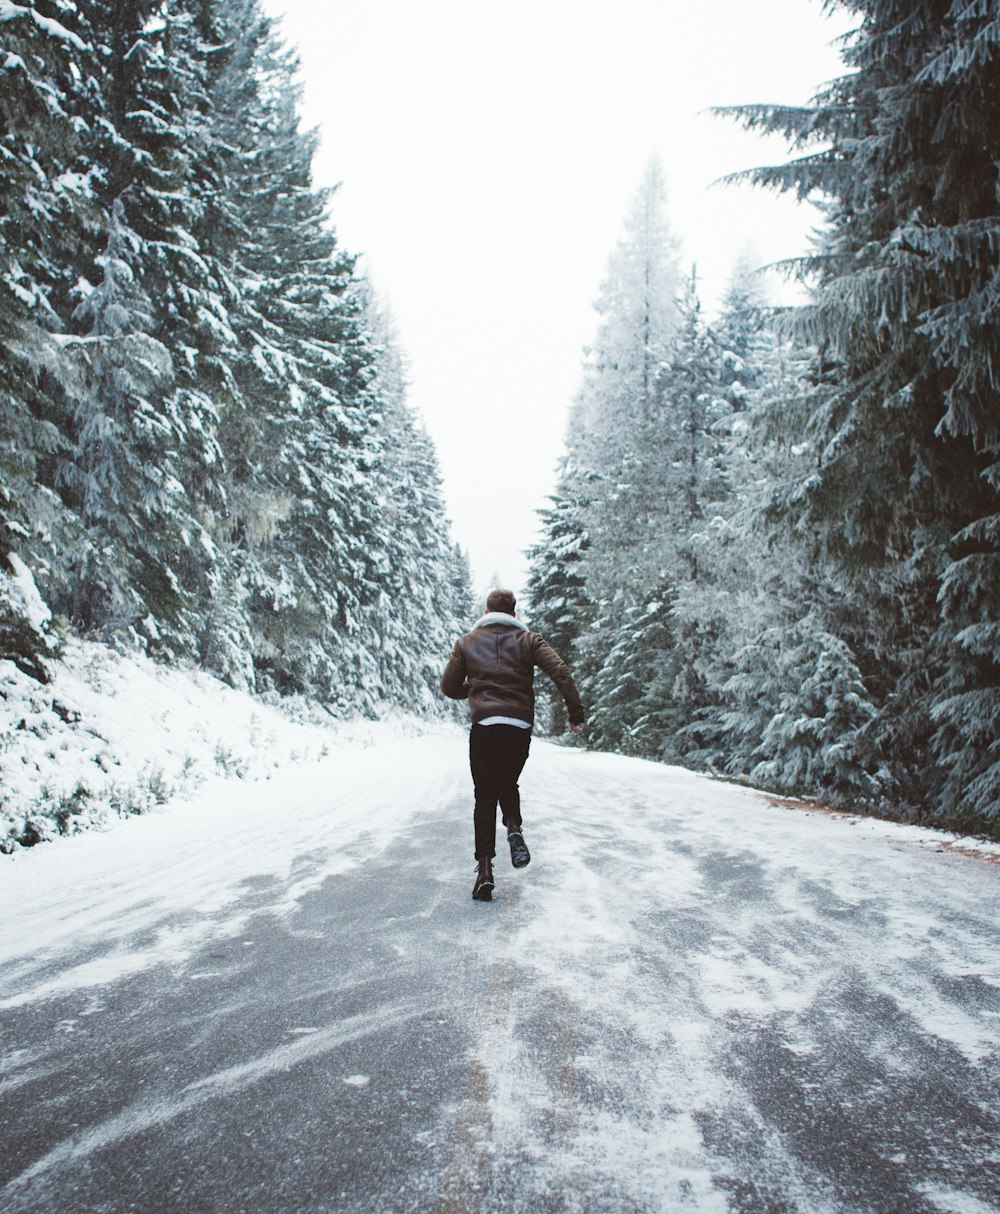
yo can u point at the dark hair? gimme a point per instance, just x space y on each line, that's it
501 600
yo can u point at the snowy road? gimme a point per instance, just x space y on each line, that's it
692 1000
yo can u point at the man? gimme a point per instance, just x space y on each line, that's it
493 667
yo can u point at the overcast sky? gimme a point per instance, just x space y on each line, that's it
487 153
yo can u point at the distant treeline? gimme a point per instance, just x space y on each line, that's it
774 550
206 447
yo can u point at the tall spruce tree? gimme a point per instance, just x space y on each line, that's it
424 594
902 489
143 425
612 429
557 589
120 480
205 447
45 213
299 437
692 482
608 493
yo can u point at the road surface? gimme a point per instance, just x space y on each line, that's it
691 1000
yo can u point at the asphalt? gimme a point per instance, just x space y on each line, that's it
392 1046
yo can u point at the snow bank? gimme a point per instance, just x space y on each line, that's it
116 735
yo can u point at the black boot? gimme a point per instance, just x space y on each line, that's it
520 857
482 891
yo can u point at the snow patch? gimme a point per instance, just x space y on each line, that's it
952 1201
23 586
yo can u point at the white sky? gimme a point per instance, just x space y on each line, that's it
487 153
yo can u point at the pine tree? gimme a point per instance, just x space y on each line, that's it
781 678
300 437
135 406
207 446
905 433
44 214
120 479
557 595
424 588
608 496
613 423
244 515
730 601
658 647
694 483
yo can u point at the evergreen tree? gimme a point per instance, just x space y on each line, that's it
608 494
425 589
902 489
643 465
784 702
207 446
731 600
250 504
657 649
613 428
694 484
120 480
298 435
143 295
44 215
556 592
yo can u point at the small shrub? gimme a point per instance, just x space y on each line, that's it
157 786
69 806
228 762
34 831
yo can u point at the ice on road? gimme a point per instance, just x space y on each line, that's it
280 997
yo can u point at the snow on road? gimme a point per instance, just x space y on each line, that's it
279 995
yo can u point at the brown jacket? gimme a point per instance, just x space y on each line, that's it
493 666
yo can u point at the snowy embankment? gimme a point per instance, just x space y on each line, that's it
117 735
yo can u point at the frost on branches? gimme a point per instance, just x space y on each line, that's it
202 455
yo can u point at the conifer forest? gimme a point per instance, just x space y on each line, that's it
773 549
207 447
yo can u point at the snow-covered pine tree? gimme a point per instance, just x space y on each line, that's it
631 696
902 493
191 287
245 74
557 596
780 678
706 605
44 209
611 473
745 335
659 654
722 605
423 601
190 364
610 430
957 243
693 483
119 480
141 427
300 439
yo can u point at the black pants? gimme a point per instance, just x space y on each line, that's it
497 753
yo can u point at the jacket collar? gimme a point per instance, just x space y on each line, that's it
498 617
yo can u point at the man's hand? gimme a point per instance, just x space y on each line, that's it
579 727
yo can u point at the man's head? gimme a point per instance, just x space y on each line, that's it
501 600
